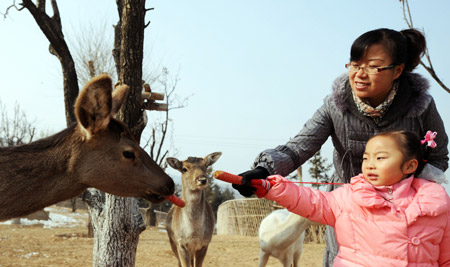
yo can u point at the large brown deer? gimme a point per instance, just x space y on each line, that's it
190 229
97 151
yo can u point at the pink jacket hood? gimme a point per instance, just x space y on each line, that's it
406 224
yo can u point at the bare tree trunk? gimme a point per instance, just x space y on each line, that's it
117 224
151 215
116 221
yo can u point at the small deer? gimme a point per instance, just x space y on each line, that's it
281 235
97 151
190 229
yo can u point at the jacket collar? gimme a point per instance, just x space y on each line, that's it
416 196
412 93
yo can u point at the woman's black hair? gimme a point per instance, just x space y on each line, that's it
410 146
404 47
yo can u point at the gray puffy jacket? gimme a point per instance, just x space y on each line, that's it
413 109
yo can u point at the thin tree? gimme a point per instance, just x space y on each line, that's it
319 169
161 129
15 130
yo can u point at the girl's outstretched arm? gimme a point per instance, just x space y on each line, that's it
313 204
318 206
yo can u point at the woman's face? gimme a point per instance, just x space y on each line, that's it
374 87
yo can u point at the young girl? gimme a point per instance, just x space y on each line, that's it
385 216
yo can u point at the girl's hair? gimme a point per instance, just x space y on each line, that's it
410 146
404 47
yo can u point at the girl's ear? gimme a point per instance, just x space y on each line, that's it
410 166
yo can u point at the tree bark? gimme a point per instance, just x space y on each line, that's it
116 221
117 224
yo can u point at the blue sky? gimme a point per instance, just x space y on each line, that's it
256 70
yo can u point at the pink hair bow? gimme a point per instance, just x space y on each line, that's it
429 139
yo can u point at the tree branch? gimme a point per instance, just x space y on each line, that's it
52 29
408 18
146 10
152 147
41 5
13 5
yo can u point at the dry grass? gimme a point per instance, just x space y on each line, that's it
37 246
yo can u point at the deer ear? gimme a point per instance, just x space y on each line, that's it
211 158
174 163
119 95
93 105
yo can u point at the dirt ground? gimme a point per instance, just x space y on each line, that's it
33 245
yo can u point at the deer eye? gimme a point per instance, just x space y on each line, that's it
129 155
184 169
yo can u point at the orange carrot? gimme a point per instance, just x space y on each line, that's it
228 177
176 200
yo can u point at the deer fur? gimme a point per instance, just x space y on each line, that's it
190 229
281 236
97 151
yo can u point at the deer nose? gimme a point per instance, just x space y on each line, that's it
171 187
202 180
166 189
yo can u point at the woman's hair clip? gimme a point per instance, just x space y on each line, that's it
429 139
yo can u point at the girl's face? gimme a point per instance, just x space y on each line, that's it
374 87
383 162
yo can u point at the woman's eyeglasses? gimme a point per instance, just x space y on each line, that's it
367 69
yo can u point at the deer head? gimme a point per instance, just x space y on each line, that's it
109 158
193 170
98 151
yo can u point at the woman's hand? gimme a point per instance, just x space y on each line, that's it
257 173
245 189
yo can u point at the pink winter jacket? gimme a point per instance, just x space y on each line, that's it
406 224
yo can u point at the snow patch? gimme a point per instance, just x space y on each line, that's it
58 217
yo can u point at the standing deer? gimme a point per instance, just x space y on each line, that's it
281 235
97 151
190 229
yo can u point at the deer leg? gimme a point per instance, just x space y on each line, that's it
200 256
296 258
263 258
298 251
184 257
286 257
175 251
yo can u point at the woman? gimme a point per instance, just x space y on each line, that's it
378 93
